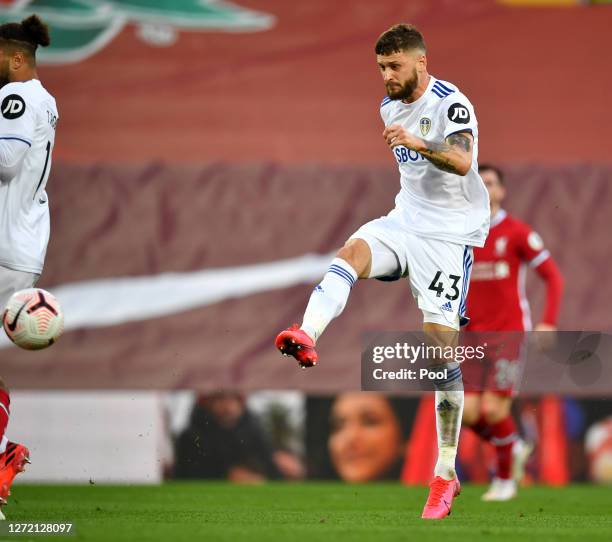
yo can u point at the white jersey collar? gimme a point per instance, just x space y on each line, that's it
499 217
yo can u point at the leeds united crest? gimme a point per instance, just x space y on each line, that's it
425 125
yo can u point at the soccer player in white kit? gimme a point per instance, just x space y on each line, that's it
441 212
28 117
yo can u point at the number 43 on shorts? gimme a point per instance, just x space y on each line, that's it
437 286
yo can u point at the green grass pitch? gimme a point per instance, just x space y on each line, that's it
177 512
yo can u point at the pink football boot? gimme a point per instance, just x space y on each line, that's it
295 342
440 500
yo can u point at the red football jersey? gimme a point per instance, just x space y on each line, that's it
496 299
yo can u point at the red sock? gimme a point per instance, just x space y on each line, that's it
5 401
503 436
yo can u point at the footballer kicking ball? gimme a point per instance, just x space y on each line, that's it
33 319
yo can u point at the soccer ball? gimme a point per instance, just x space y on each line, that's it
33 319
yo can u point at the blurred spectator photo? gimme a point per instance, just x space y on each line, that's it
357 437
224 440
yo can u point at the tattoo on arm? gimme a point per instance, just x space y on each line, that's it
442 163
460 141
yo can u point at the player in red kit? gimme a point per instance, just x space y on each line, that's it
497 302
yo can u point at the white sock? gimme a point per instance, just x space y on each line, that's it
329 297
449 411
3 444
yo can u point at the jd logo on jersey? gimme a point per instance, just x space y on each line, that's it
459 113
425 125
12 106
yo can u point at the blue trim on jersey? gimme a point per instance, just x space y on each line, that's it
438 93
385 101
444 86
462 131
440 90
28 143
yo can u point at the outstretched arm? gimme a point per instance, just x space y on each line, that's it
453 155
550 274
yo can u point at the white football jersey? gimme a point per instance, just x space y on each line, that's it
434 203
27 114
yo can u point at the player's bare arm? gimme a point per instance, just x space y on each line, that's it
453 155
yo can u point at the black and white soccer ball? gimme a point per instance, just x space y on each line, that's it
33 319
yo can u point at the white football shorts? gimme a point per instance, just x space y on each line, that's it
438 271
12 281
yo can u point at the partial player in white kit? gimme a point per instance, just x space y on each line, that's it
28 117
441 212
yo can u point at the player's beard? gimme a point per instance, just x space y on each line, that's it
405 91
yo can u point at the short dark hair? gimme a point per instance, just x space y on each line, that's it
29 34
398 38
494 169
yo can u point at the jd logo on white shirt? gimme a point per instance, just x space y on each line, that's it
12 106
459 113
